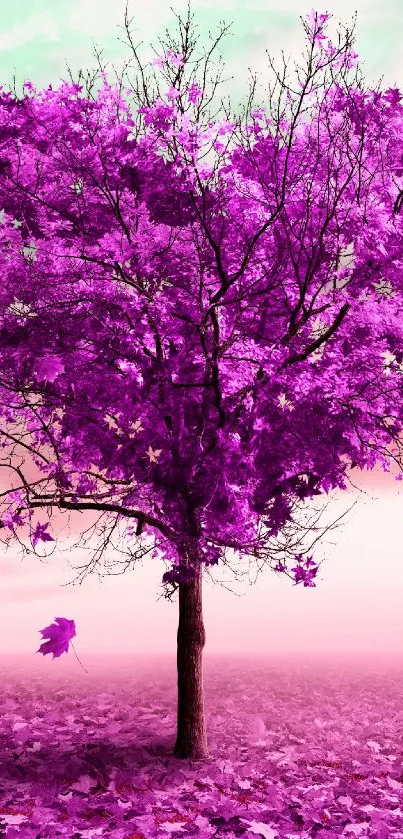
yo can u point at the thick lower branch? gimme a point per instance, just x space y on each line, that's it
108 508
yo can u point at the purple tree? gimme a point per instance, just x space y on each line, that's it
200 323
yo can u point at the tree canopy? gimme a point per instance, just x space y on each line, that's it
200 320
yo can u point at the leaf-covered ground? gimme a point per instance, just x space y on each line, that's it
297 750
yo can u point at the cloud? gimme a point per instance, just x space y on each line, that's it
100 17
40 25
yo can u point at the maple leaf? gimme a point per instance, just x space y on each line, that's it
48 368
136 426
153 455
262 829
283 401
40 534
84 784
110 422
59 634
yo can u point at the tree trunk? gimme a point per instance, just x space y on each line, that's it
191 737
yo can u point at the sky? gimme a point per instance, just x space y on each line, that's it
356 605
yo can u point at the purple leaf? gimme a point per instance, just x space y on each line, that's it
59 634
39 534
49 368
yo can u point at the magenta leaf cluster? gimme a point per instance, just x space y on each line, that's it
200 321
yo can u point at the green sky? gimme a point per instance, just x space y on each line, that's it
37 38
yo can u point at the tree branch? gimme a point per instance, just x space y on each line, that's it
109 508
319 341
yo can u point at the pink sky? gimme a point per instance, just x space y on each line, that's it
355 607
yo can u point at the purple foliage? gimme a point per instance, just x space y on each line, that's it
181 340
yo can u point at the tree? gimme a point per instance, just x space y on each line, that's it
181 344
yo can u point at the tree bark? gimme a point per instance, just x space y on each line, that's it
191 736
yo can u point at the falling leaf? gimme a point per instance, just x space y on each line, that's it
59 634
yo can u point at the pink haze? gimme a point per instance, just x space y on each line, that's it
354 609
